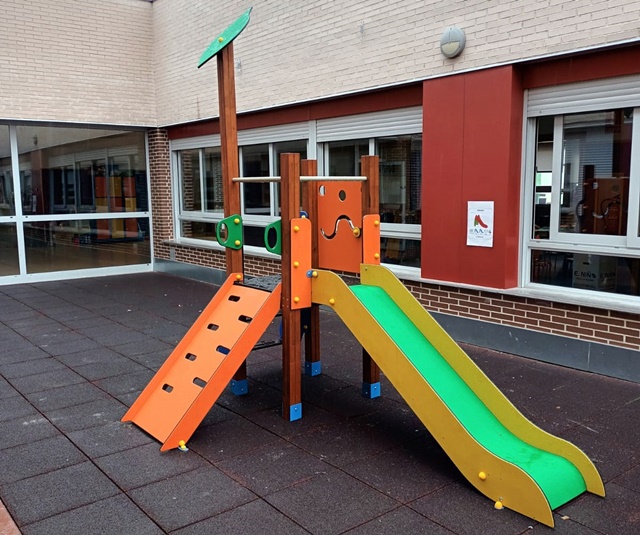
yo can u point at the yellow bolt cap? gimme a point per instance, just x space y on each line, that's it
376 223
296 264
376 256
220 39
296 228
237 242
332 301
238 277
296 299
314 274
237 220
356 232
482 476
498 505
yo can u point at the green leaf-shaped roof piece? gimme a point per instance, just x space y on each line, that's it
225 37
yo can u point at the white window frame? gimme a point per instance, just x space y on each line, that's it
557 102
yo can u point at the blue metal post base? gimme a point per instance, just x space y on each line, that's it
371 390
312 368
295 412
240 388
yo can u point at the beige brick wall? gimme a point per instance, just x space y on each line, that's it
134 62
79 61
293 51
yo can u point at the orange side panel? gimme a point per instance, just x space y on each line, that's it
187 385
339 212
371 239
300 263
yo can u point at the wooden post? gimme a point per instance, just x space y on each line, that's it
291 344
230 170
312 364
370 166
229 147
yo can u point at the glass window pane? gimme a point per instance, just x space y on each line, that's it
8 250
214 201
299 146
400 251
255 162
81 170
7 201
84 244
595 172
344 157
198 230
189 161
599 273
542 178
400 178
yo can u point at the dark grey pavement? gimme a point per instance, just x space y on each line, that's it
75 354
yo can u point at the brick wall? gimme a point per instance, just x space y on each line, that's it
574 321
293 51
161 191
135 62
88 61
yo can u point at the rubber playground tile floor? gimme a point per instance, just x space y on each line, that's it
74 355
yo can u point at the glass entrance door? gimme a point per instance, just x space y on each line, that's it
73 202
9 258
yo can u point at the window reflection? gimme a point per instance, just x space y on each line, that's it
214 201
543 178
600 273
257 197
8 250
344 156
400 178
595 172
190 175
83 244
75 170
7 202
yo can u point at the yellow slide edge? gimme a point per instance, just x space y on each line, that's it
483 387
494 477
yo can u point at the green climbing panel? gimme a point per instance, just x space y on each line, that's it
233 225
276 226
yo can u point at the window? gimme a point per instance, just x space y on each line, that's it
72 199
201 190
200 193
584 196
400 198
400 189
341 143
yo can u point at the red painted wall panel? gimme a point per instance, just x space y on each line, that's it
442 177
582 67
472 151
386 99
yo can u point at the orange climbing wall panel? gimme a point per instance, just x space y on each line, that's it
187 385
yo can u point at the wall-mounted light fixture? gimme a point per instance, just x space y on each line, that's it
452 42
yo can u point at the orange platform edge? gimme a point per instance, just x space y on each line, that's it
187 385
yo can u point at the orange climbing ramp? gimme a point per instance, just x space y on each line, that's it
187 385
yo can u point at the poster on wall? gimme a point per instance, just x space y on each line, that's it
480 223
